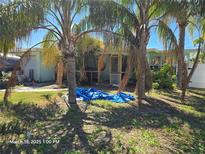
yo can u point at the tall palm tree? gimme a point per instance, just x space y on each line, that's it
181 12
131 19
59 18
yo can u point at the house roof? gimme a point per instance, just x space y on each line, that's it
7 63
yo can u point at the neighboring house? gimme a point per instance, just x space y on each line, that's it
198 78
34 69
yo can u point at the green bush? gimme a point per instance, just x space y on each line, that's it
155 85
164 78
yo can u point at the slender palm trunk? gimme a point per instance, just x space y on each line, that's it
191 72
69 56
179 74
71 79
196 61
126 76
59 74
182 68
141 67
148 76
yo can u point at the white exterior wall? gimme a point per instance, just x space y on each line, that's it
41 73
198 78
31 64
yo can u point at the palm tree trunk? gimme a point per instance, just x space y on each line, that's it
191 72
179 74
71 79
195 64
69 57
59 73
140 91
182 68
130 65
148 76
141 68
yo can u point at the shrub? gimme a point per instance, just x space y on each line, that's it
164 78
155 85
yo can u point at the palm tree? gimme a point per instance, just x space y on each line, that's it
181 12
132 20
59 18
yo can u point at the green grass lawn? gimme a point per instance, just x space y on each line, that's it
160 125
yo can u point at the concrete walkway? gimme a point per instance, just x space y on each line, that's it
37 89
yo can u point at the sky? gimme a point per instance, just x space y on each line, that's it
154 41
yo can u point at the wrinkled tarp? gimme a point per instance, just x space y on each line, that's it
87 94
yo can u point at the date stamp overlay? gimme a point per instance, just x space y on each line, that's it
35 141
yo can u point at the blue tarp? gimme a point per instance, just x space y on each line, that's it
87 94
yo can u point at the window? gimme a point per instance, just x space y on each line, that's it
114 64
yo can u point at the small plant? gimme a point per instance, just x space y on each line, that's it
155 85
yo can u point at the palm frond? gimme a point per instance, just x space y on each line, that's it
111 13
167 36
51 53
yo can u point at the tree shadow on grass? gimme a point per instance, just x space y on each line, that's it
198 103
68 127
154 114
200 92
47 133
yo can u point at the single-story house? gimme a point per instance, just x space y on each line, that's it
34 69
115 66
